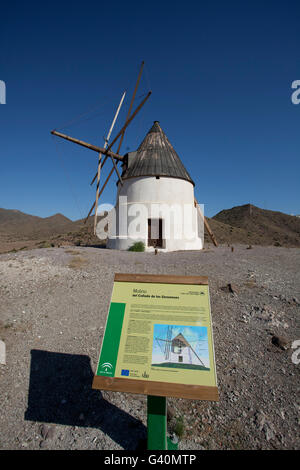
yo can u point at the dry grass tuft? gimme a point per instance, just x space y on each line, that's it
77 262
72 252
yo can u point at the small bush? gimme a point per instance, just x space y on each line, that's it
179 427
138 246
44 245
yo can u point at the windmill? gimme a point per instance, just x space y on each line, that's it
179 350
105 152
152 175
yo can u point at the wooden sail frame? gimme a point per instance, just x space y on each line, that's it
106 151
120 143
100 157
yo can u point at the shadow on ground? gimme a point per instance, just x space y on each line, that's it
95 245
60 391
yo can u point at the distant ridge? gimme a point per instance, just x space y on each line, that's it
20 231
21 225
260 226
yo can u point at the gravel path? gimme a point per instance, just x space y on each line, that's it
53 310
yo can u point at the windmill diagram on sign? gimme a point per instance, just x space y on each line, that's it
180 347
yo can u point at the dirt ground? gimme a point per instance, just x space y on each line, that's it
53 307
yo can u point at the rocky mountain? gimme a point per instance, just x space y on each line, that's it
250 224
21 231
14 223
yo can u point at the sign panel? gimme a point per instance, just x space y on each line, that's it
158 338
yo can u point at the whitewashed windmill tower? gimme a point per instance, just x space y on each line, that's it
156 200
155 194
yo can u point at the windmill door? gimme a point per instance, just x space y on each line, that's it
155 233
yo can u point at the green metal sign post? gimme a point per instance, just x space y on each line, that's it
157 424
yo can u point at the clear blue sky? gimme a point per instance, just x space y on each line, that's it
220 73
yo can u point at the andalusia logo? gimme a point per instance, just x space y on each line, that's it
106 368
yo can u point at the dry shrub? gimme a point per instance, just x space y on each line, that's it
77 262
72 252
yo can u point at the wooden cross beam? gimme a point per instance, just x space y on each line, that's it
123 129
131 104
209 230
107 152
102 189
100 157
89 146
122 136
127 117
119 147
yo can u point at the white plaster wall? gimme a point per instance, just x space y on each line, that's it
181 229
186 358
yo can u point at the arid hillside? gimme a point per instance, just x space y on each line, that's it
242 224
19 231
250 224
16 224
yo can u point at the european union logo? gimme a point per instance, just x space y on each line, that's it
125 372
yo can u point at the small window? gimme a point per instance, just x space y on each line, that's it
180 358
157 177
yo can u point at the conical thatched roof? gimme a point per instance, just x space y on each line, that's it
155 157
180 339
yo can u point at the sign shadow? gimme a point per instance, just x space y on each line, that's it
60 391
